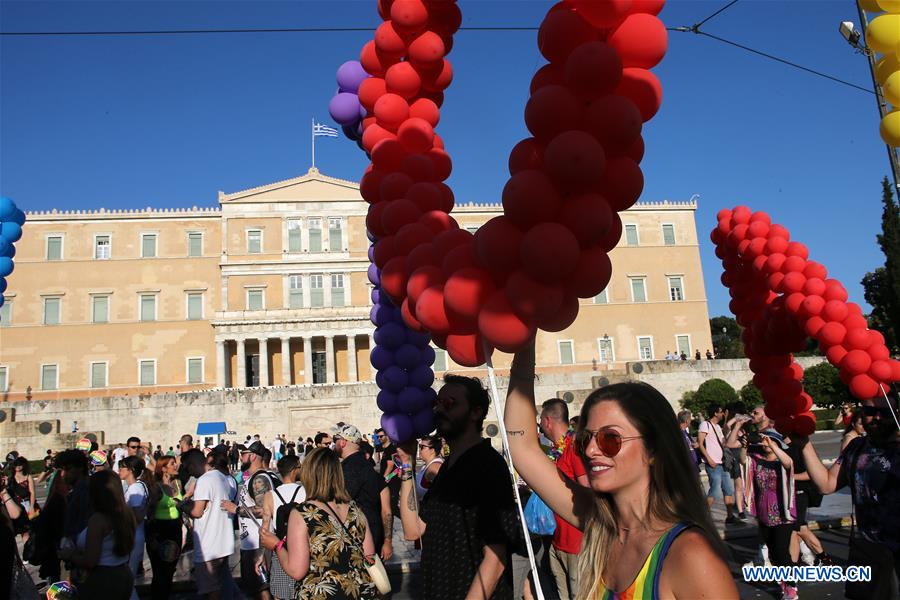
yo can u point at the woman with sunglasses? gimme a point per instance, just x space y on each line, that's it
430 448
647 530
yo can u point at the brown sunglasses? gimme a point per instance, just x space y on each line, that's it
609 441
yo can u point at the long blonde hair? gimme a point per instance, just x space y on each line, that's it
323 478
674 494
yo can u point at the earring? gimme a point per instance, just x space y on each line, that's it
651 461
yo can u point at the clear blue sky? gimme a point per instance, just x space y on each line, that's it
166 121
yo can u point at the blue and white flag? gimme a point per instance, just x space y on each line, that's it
320 130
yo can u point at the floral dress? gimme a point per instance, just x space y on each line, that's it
336 563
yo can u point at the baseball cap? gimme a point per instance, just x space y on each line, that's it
256 448
348 432
98 457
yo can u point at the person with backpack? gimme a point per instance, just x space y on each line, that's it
277 507
133 472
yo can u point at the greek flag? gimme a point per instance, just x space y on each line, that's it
323 130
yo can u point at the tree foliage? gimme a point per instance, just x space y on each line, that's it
751 396
882 287
726 337
711 391
824 384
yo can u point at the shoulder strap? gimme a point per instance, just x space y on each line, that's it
280 497
344 527
296 491
661 551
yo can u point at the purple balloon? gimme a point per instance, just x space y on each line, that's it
371 253
418 339
423 422
344 108
398 427
408 357
376 295
427 355
371 236
390 335
410 400
381 358
382 315
395 379
387 401
350 132
350 75
374 275
422 376
379 379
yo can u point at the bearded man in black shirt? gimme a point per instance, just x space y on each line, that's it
467 520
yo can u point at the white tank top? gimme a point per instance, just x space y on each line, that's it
108 557
421 474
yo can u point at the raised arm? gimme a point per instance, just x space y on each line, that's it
564 497
413 526
826 479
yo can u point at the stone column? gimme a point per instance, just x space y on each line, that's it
329 359
220 363
263 362
241 364
285 361
351 357
307 361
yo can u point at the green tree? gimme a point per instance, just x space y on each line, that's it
824 384
882 287
751 396
726 337
711 391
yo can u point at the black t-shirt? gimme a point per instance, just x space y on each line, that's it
469 505
387 453
796 454
364 486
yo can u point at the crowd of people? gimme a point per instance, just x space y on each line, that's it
316 519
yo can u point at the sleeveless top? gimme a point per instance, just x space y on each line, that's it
421 475
108 556
167 507
646 585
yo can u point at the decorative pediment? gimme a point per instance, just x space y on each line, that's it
313 187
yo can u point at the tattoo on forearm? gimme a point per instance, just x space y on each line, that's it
516 432
387 521
411 500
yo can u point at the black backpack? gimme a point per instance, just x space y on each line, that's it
284 512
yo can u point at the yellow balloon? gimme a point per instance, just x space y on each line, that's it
891 6
883 34
891 88
885 67
890 129
870 5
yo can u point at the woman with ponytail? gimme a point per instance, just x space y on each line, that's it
647 530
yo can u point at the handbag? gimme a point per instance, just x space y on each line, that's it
727 457
538 516
374 566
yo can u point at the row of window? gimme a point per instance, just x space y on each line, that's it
98 373
632 238
639 290
150 240
606 348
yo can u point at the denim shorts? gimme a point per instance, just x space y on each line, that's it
720 482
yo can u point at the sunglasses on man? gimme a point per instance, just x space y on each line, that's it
609 441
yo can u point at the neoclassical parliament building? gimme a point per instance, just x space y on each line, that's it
269 288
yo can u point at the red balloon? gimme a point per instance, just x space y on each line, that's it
793 302
388 155
813 287
370 185
390 111
561 32
641 40
857 339
430 310
777 245
444 17
530 198
394 186
856 362
409 14
497 245
615 121
421 256
423 108
409 318
832 334
411 236
588 216
793 264
758 229
612 237
442 163
447 241
835 310
447 194
814 270
575 160
438 221
856 322
501 327
466 350
466 292
416 135
593 68
375 134
385 250
460 257
813 325
836 354
602 14
804 424
427 49
549 252
427 196
438 80
388 40
533 301
402 79
651 7
622 183
527 154
834 290
879 352
371 61
552 110
793 282
420 280
881 370
420 167
563 318
393 278
549 74
636 151
591 274
812 306
863 387
373 219
643 88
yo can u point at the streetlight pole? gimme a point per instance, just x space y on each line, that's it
879 97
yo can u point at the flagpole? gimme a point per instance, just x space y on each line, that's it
312 131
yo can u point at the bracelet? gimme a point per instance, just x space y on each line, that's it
280 543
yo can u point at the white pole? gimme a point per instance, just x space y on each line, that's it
312 131
499 409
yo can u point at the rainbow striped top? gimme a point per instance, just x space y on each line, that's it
646 585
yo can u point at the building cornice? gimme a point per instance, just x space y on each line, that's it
479 207
103 214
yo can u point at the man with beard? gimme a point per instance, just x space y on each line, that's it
467 520
870 465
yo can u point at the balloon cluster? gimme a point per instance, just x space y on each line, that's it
782 298
883 36
403 360
524 270
344 107
11 221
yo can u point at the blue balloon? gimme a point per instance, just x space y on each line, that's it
427 355
4 246
418 339
395 379
379 380
2 284
6 266
411 400
7 208
381 358
387 401
390 335
408 357
10 250
2 299
423 422
11 230
19 217
371 236
422 376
